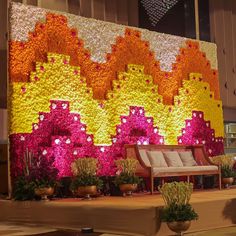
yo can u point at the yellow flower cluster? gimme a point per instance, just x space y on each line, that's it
84 166
176 193
127 166
224 160
57 80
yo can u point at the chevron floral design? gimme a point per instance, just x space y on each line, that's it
80 87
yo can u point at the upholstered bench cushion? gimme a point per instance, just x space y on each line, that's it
144 157
173 159
156 159
158 170
187 158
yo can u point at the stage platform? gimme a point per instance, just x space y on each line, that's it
137 215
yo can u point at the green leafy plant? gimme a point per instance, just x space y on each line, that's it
37 172
176 212
127 168
23 189
84 170
176 196
227 171
86 180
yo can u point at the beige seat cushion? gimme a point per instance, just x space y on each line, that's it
159 170
173 159
187 158
144 157
156 159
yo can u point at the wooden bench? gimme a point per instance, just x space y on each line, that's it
204 165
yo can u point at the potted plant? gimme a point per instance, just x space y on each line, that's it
44 176
178 213
85 182
227 174
227 171
127 180
38 177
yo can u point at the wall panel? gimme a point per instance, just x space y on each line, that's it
98 9
223 33
234 52
122 12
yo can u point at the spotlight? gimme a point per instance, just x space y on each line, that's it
87 230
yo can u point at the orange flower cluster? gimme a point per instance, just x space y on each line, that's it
55 36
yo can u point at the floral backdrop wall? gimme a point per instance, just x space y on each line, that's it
81 87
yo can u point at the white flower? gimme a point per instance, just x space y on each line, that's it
68 141
41 117
57 141
89 139
44 152
54 105
64 105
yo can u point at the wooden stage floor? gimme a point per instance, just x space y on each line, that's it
137 215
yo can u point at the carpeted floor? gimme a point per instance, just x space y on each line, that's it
9 229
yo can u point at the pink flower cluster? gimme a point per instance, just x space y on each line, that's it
61 135
198 131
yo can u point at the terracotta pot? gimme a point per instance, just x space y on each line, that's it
44 192
87 191
127 189
179 226
229 180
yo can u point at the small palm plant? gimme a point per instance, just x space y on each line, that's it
126 179
227 168
177 211
85 180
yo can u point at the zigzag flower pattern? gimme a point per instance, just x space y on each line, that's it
65 105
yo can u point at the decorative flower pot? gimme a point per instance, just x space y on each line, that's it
44 192
179 226
87 191
227 181
127 189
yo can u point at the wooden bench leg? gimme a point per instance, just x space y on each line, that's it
188 178
152 184
162 181
202 176
220 181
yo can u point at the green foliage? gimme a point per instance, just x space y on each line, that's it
37 172
176 196
125 178
227 171
84 170
23 189
86 180
176 212
127 168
